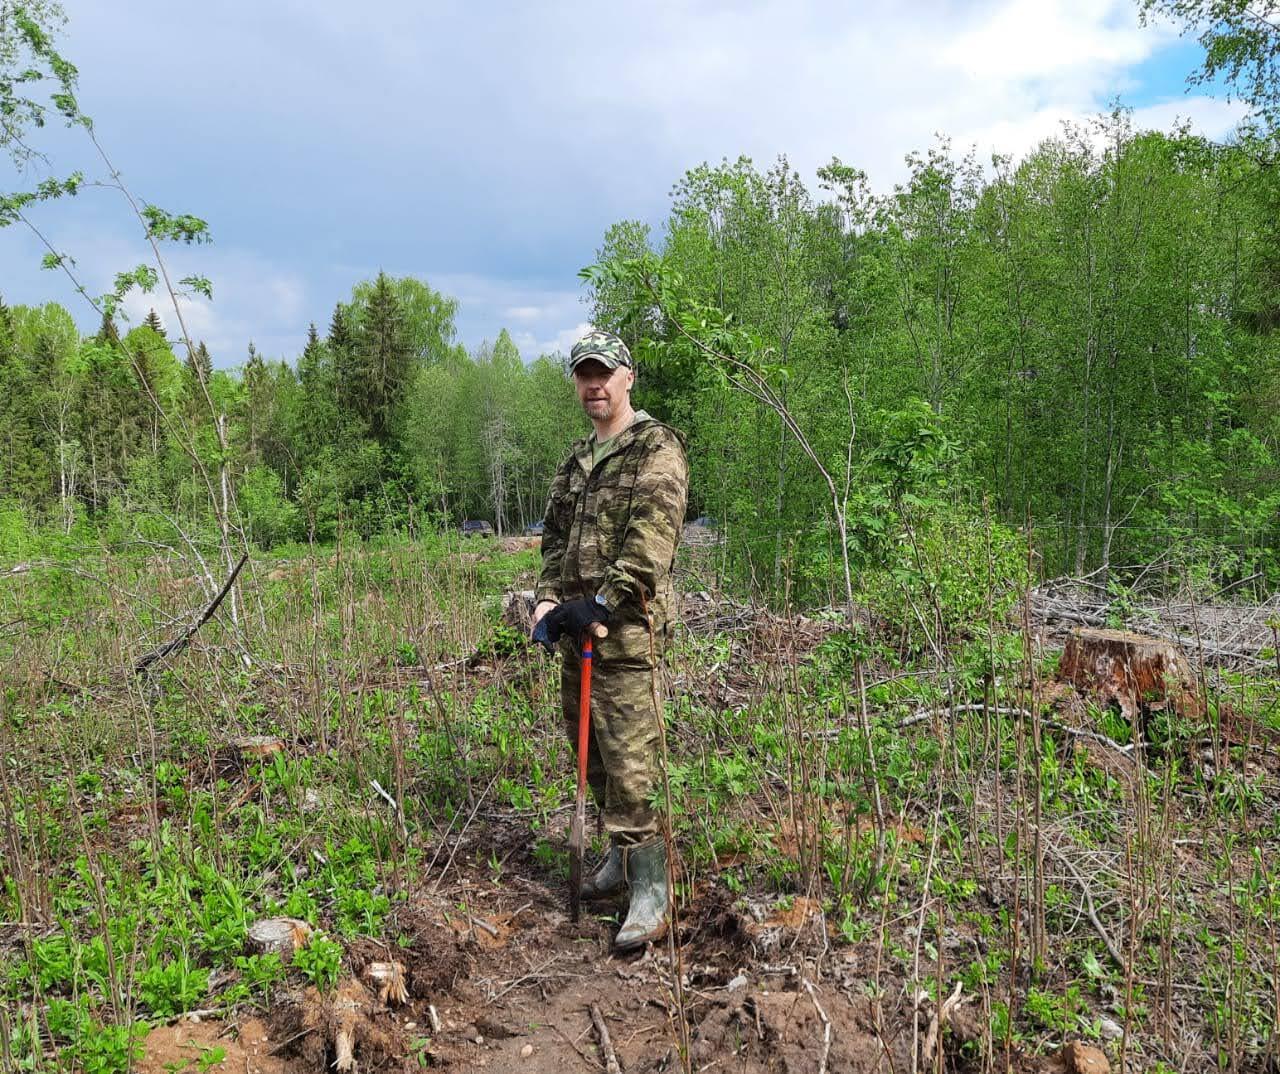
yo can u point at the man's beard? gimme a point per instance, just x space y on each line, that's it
605 415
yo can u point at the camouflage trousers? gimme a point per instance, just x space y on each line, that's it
622 759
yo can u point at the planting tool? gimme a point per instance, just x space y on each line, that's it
580 806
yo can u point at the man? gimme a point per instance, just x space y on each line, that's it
611 527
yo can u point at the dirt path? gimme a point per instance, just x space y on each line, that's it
511 980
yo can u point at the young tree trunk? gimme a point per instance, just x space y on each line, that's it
224 515
1108 528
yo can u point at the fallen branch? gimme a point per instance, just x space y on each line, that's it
180 642
1112 949
920 715
606 1045
533 974
591 1063
395 806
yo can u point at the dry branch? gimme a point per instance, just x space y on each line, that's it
606 1045
180 642
1110 944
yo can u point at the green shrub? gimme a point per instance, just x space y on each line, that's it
271 516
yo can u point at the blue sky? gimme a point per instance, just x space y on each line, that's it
486 149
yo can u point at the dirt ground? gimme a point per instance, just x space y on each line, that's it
500 979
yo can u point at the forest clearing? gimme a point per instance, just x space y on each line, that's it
888 542
1057 867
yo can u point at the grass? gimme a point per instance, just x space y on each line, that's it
1014 858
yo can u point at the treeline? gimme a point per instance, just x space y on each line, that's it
1085 340
383 422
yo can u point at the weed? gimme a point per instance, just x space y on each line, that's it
320 962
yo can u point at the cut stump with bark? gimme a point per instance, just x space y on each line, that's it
239 756
1139 674
1079 1058
257 747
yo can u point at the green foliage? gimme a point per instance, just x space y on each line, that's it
94 1047
1241 41
942 574
169 988
320 962
960 350
271 517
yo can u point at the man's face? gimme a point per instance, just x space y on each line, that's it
601 391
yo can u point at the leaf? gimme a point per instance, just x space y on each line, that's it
200 284
182 227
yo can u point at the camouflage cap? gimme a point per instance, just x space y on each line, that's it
604 347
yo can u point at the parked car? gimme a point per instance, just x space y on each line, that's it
476 527
534 529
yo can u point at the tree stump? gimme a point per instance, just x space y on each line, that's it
1079 1058
282 935
257 747
1136 673
238 756
517 610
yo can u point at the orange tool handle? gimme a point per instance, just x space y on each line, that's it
584 713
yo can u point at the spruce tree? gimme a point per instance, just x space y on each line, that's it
152 321
316 423
339 328
257 401
107 331
346 368
384 359
200 363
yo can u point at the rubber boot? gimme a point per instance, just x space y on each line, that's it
608 879
650 899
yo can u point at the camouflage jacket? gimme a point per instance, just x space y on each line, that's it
612 530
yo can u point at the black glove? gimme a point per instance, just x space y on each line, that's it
571 618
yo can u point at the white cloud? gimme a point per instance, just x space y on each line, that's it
1212 118
487 153
254 299
1023 41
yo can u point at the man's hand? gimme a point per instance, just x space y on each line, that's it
551 621
543 606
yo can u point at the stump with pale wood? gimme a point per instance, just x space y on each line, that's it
517 610
1137 673
283 936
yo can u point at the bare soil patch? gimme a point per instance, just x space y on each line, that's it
499 979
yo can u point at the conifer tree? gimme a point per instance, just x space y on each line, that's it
384 361
200 362
107 330
256 402
152 321
339 329
312 361
345 366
